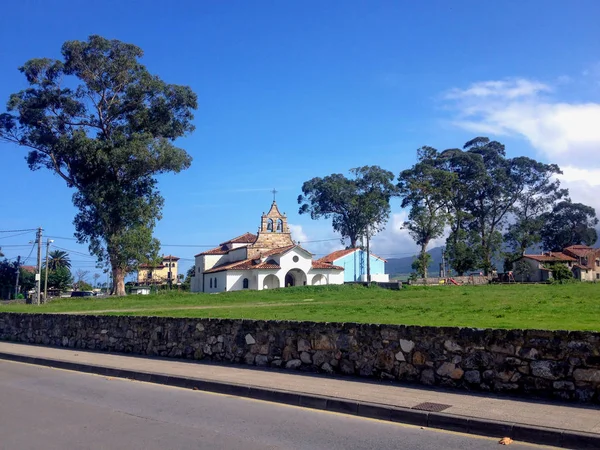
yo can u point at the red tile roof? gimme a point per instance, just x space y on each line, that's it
325 265
246 238
151 266
30 269
551 257
337 255
220 250
246 264
583 251
170 258
334 256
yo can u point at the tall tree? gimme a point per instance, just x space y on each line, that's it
355 204
57 259
569 224
59 278
541 191
103 123
425 189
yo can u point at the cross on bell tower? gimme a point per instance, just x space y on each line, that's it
274 192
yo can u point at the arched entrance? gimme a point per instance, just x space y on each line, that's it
295 277
271 282
319 280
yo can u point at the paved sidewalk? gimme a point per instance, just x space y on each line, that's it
491 414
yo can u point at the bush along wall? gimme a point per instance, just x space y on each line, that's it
553 364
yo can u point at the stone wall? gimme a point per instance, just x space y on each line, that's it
469 279
556 364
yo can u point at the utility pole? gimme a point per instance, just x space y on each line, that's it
171 274
443 265
368 258
17 280
38 276
48 242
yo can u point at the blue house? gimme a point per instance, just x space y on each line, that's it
354 262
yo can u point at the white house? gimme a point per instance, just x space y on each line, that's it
266 260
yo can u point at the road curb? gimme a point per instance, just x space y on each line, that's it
463 424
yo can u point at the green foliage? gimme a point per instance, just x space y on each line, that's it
480 190
425 189
522 270
560 272
463 251
83 286
420 264
103 123
26 280
569 224
354 204
59 278
59 258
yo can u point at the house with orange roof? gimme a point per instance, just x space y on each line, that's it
268 259
583 261
354 262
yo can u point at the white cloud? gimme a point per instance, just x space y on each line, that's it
515 88
298 233
565 133
395 242
571 174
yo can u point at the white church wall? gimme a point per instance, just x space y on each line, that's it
211 261
235 280
237 254
330 276
294 259
215 282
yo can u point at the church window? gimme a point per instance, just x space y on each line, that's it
215 283
295 258
270 225
245 282
279 225
211 283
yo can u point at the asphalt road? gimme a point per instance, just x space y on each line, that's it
44 408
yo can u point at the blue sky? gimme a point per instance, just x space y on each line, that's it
292 90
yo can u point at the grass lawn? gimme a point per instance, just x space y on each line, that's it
566 307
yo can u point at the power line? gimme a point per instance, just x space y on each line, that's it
30 252
62 237
75 252
17 231
14 235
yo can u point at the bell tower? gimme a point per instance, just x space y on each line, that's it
273 232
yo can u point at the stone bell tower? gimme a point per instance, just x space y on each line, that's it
272 233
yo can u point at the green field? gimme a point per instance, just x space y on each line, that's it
569 306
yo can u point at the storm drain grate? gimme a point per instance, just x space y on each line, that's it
433 407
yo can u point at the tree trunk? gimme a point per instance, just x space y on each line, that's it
118 287
424 260
368 259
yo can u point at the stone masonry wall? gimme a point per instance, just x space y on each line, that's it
556 364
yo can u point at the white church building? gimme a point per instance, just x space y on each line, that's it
267 260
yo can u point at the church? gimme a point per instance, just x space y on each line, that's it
267 260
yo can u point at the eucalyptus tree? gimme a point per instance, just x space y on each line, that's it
103 123
569 224
358 205
425 189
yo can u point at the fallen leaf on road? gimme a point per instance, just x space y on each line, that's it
195 388
505 441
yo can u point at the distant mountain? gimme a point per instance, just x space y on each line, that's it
402 266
